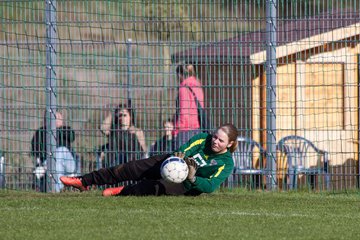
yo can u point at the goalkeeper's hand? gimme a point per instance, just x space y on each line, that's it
192 165
179 155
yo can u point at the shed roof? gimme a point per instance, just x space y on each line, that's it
293 35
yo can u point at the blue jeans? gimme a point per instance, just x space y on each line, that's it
65 166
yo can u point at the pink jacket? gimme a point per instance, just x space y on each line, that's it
187 118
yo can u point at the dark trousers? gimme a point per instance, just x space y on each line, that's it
145 171
40 184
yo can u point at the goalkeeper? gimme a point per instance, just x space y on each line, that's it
208 157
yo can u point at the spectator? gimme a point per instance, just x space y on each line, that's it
66 159
186 119
166 143
209 158
125 141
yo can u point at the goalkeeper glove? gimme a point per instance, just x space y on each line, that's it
192 165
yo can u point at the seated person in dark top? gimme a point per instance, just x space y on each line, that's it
166 143
65 157
125 141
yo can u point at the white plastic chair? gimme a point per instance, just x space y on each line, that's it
249 162
303 157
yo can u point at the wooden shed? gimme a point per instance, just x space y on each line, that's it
317 84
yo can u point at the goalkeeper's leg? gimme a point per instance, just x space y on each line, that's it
148 168
153 187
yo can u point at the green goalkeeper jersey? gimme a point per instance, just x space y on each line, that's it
213 168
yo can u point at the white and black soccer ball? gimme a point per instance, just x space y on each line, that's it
174 169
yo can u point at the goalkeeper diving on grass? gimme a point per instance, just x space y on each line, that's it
209 160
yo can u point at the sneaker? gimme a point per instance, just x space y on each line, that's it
112 191
73 182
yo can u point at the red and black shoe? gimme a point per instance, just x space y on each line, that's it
73 182
112 191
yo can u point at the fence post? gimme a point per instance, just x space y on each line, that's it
271 6
358 109
129 75
2 171
51 40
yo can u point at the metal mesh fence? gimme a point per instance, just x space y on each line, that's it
85 57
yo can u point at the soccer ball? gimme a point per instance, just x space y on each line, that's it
174 169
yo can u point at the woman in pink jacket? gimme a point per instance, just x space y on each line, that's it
186 119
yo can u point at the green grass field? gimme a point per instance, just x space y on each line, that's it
223 215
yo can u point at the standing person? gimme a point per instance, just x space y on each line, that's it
125 141
186 119
65 157
166 143
209 158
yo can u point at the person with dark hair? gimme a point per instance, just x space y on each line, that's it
125 141
209 159
186 119
166 143
65 157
